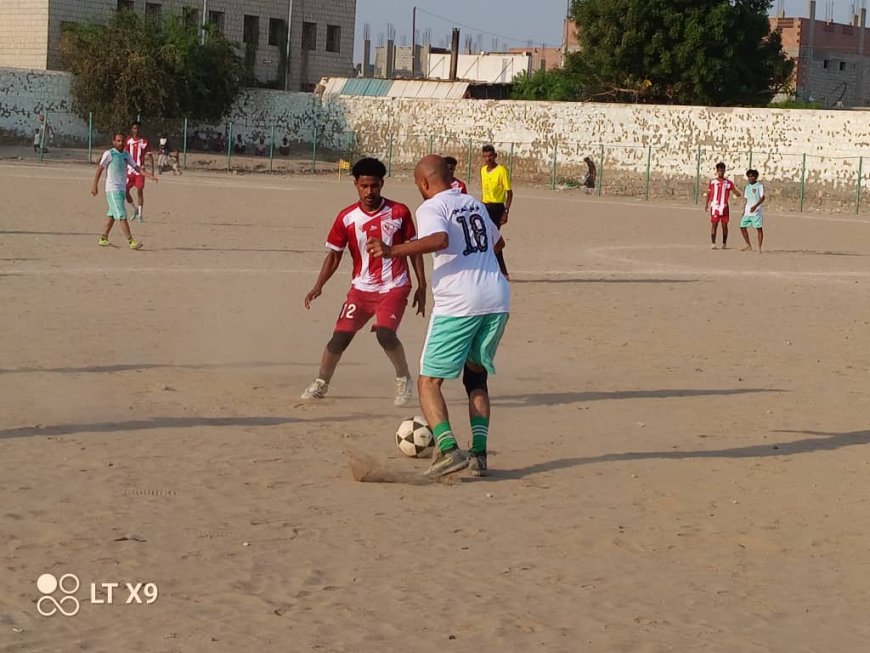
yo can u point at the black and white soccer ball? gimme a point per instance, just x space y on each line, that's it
414 438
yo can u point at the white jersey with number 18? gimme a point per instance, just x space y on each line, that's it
466 279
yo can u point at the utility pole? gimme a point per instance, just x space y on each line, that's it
287 53
414 43
204 21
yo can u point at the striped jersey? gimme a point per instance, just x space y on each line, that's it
138 148
719 192
391 223
458 184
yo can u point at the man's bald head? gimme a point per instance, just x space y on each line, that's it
432 175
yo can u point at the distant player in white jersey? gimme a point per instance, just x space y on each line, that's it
115 162
472 305
379 288
139 149
752 214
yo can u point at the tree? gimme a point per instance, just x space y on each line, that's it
135 66
708 52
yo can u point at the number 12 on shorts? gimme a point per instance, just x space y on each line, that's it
474 230
347 311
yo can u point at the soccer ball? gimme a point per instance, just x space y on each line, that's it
414 438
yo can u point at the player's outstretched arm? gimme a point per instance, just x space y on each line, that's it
426 245
330 265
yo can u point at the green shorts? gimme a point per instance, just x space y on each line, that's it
453 341
117 208
751 221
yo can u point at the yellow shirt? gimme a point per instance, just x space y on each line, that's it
495 184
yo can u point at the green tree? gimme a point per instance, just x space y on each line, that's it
708 52
136 67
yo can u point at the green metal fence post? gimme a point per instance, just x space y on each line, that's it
184 146
601 171
860 174
698 175
648 166
430 144
468 166
750 159
390 156
511 161
229 146
90 136
555 161
314 153
803 181
272 148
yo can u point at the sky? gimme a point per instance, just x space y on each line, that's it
514 24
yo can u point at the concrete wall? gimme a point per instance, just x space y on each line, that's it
678 139
491 68
23 33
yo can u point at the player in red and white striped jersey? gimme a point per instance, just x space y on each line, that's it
458 184
139 150
379 287
718 195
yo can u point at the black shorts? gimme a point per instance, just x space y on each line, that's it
496 213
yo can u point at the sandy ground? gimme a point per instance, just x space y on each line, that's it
680 440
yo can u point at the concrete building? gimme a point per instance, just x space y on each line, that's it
832 61
321 33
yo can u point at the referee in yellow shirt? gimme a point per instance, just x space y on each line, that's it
497 195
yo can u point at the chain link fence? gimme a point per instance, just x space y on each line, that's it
793 180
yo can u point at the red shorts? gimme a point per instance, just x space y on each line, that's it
720 217
135 181
358 308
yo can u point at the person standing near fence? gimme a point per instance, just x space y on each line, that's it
116 161
139 149
496 194
718 195
754 193
455 183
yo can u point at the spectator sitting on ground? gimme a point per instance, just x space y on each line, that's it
239 145
261 147
588 180
284 147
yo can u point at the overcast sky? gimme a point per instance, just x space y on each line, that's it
514 23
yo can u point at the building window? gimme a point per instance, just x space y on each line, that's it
825 64
251 33
842 66
190 17
277 31
125 5
309 36
153 11
216 18
333 38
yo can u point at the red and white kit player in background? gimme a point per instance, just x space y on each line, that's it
455 182
718 195
139 149
380 287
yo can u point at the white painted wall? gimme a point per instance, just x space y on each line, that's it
490 68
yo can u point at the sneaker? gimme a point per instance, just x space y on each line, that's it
316 390
135 244
713 246
104 242
447 463
403 390
478 464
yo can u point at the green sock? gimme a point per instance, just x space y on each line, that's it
444 436
479 431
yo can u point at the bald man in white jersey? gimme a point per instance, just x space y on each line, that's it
472 305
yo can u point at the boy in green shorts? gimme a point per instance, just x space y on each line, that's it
115 162
472 304
752 217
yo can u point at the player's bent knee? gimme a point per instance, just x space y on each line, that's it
339 342
474 381
387 339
